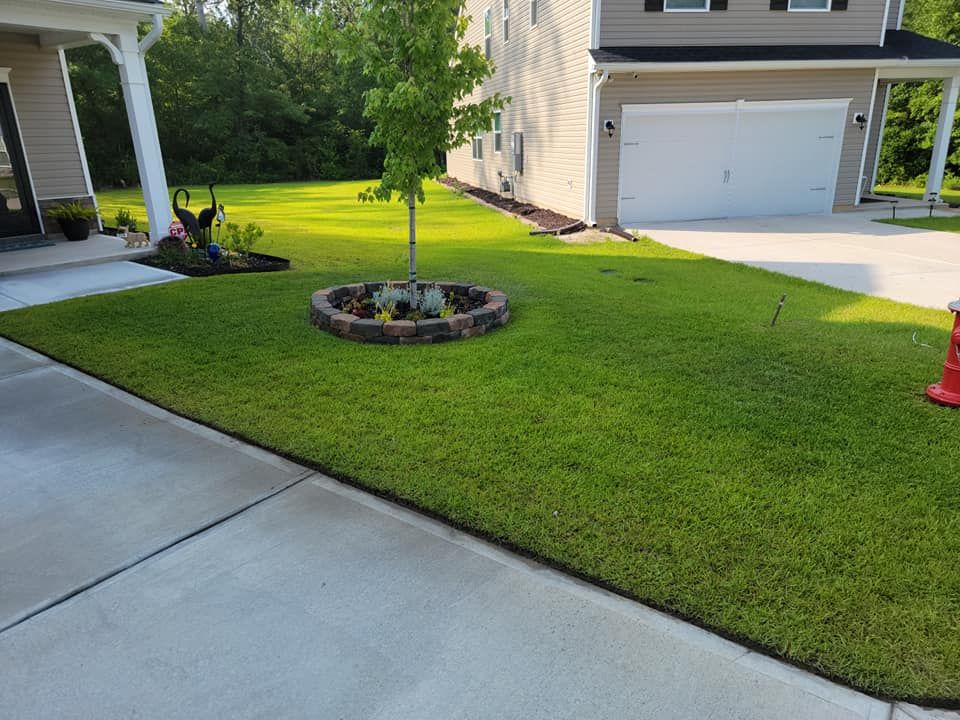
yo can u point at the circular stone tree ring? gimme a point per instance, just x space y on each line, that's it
492 310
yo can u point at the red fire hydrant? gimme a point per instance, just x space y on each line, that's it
947 391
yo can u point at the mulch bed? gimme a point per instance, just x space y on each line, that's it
197 265
546 219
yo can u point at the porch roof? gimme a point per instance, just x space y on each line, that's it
902 48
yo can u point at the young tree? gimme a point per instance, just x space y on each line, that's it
421 75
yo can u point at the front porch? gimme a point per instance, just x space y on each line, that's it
886 79
42 157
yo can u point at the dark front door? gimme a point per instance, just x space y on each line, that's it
18 213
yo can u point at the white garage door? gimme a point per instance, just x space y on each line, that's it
717 160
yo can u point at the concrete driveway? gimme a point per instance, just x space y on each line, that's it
153 568
845 250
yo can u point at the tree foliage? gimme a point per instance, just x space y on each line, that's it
259 96
913 108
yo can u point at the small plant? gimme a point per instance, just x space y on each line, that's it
241 240
361 308
125 218
71 212
432 302
391 296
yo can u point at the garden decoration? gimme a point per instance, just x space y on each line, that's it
221 216
177 230
213 252
947 391
382 312
206 217
189 220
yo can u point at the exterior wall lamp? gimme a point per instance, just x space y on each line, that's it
860 119
609 127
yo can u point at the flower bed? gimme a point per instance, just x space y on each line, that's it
197 264
350 312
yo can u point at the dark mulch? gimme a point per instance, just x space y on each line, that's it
546 219
198 265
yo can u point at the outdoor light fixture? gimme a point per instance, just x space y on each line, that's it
860 119
609 127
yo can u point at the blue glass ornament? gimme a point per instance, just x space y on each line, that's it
213 252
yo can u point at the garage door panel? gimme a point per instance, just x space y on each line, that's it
673 166
729 159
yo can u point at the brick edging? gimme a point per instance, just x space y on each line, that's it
494 313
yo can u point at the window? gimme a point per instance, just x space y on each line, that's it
506 20
686 5
497 134
488 32
808 5
477 147
534 11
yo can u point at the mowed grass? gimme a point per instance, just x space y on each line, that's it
946 224
916 193
645 427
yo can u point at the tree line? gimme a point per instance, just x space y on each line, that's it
243 90
252 91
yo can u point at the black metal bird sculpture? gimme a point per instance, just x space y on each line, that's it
188 219
207 216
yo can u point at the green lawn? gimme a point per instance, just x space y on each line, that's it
947 224
644 427
916 193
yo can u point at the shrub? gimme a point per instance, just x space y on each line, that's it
391 296
241 240
432 302
125 218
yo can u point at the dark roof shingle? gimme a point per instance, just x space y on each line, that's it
900 45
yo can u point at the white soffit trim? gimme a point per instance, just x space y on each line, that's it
949 67
126 6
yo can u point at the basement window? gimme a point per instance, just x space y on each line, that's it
534 12
506 20
686 5
497 133
477 147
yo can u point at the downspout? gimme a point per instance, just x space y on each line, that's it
598 78
150 39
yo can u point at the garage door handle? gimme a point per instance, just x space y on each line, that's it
631 143
819 189
632 197
826 137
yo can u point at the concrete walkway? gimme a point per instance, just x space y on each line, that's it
153 568
845 250
46 286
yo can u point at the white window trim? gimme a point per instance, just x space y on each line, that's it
497 114
505 20
809 10
706 8
473 148
530 5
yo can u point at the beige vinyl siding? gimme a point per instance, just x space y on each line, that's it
894 14
727 87
36 83
873 142
745 22
544 70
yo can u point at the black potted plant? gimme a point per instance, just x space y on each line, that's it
73 218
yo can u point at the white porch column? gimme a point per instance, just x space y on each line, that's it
941 142
143 128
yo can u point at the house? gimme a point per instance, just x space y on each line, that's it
42 160
633 111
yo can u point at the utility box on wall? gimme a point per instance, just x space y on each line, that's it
517 145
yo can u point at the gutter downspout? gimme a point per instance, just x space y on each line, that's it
598 78
150 39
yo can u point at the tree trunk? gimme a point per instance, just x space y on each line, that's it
412 208
201 16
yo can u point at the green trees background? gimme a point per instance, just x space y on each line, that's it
256 96
251 90
913 109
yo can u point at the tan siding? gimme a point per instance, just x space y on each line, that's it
544 70
39 94
746 22
725 87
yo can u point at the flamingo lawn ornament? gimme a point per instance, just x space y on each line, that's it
207 215
188 219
